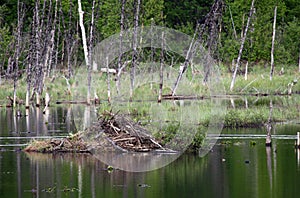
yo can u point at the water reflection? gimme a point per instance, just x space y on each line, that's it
136 162
269 164
246 170
33 122
298 157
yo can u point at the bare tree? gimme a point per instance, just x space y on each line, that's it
21 14
37 48
84 43
83 34
52 44
232 21
31 63
90 52
242 46
273 42
108 80
161 73
185 64
209 27
246 70
134 46
120 66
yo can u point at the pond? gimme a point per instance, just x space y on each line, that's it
240 167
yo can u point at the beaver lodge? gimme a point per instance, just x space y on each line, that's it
112 132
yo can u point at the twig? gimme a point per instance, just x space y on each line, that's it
157 144
248 85
124 139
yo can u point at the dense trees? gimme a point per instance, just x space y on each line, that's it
38 36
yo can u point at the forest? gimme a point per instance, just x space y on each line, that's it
41 37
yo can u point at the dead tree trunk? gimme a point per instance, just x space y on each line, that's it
52 41
48 48
31 64
188 57
161 73
242 46
273 42
84 43
246 70
120 66
299 62
108 80
21 14
37 49
69 41
212 22
60 17
134 46
210 25
233 27
89 78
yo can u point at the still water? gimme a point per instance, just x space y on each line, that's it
233 168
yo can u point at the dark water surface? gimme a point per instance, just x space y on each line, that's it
234 168
237 170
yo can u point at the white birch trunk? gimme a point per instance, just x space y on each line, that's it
27 98
84 43
81 24
38 99
273 42
246 71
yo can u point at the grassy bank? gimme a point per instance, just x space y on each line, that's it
257 83
243 110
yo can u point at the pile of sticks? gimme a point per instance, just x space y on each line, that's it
71 144
127 134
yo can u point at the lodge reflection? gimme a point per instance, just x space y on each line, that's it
85 176
208 176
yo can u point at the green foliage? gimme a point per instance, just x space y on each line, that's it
109 21
198 138
167 133
291 41
183 16
153 11
258 43
254 117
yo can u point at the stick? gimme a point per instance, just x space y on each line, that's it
124 139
